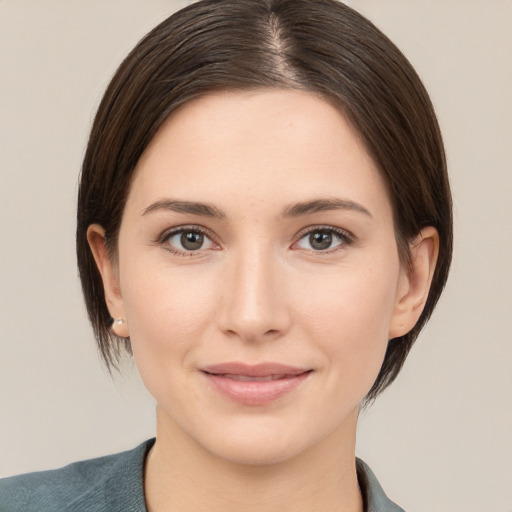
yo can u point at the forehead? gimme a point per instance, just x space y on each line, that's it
270 143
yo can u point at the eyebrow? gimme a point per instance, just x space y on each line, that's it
293 210
192 207
322 205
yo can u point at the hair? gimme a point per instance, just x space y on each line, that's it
321 46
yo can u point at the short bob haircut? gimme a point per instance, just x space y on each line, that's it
321 46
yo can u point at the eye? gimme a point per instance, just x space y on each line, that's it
188 240
323 239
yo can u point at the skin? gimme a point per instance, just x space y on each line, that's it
257 291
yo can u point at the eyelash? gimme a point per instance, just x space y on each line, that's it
345 238
167 235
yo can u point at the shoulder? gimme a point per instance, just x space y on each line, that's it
374 497
113 483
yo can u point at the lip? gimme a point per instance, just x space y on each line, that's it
255 385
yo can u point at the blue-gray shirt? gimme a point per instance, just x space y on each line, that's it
115 484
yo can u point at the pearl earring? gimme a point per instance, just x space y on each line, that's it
119 321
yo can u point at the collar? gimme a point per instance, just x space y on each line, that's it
374 497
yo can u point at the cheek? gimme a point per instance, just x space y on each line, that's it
349 316
166 313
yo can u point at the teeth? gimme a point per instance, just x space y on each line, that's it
249 378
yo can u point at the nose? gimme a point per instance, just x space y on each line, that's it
254 305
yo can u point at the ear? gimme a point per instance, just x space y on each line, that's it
109 275
414 283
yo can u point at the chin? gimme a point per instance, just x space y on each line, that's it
265 441
257 452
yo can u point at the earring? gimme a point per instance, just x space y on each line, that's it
119 321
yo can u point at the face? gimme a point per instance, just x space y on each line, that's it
258 274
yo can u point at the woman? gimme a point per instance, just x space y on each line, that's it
264 220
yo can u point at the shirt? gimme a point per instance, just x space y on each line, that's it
115 483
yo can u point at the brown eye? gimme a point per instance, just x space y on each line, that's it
323 239
188 240
192 240
320 240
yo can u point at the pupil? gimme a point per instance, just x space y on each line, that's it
192 241
320 240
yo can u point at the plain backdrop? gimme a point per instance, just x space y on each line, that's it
440 439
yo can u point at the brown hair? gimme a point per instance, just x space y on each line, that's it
321 46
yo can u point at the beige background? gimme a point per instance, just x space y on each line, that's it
441 438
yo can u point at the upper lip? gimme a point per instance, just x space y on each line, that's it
253 370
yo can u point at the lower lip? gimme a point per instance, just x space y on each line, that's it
256 392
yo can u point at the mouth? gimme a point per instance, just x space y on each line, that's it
255 385
248 378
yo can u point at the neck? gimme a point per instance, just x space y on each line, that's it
181 475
